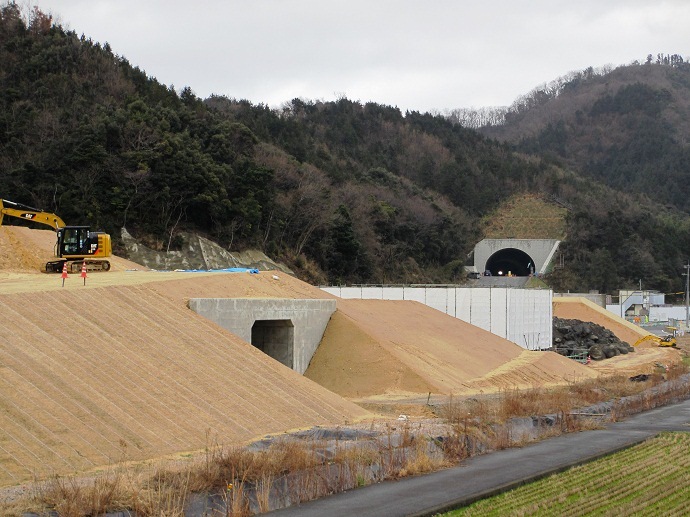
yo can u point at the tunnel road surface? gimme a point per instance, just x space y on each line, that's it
486 475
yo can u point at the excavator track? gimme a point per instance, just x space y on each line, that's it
74 266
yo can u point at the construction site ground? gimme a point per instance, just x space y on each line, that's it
645 354
117 368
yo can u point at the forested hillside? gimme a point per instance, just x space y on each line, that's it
341 191
628 127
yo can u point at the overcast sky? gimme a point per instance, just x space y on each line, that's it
417 55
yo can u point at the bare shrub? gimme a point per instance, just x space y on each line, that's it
70 497
421 461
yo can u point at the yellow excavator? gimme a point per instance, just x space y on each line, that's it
75 244
662 341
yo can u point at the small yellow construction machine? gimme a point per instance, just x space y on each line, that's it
662 341
75 244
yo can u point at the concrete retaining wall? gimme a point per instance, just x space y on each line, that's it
523 316
288 330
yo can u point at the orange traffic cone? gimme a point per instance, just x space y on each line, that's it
64 273
83 271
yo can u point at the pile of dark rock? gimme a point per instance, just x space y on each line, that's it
575 338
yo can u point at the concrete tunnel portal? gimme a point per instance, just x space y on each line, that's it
510 260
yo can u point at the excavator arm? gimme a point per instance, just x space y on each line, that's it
27 213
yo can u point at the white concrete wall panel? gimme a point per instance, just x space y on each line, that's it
499 312
530 319
372 293
392 293
351 292
666 313
481 308
452 307
463 304
520 318
416 294
437 298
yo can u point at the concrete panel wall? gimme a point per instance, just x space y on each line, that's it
352 292
523 316
371 293
391 293
531 326
499 311
480 308
238 315
463 304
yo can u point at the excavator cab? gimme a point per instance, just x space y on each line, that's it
75 241
76 245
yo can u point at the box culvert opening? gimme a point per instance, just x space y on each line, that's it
275 338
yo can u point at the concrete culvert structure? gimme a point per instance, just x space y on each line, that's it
275 338
512 260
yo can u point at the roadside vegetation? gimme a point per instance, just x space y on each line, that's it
652 478
244 481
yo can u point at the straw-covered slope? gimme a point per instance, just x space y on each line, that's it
92 376
374 347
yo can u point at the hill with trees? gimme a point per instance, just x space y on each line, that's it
341 191
628 127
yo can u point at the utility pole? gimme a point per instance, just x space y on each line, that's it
687 294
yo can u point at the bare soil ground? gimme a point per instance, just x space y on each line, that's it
120 370
378 349
645 357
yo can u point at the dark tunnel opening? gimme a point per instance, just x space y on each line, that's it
510 261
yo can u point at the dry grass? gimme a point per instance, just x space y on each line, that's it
482 424
293 470
525 217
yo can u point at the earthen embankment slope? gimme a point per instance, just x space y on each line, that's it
392 348
93 376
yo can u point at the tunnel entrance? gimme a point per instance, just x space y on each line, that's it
512 260
275 338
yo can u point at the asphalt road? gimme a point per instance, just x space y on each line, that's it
485 475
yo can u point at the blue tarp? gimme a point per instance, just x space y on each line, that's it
226 270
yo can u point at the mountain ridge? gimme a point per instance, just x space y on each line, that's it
340 192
